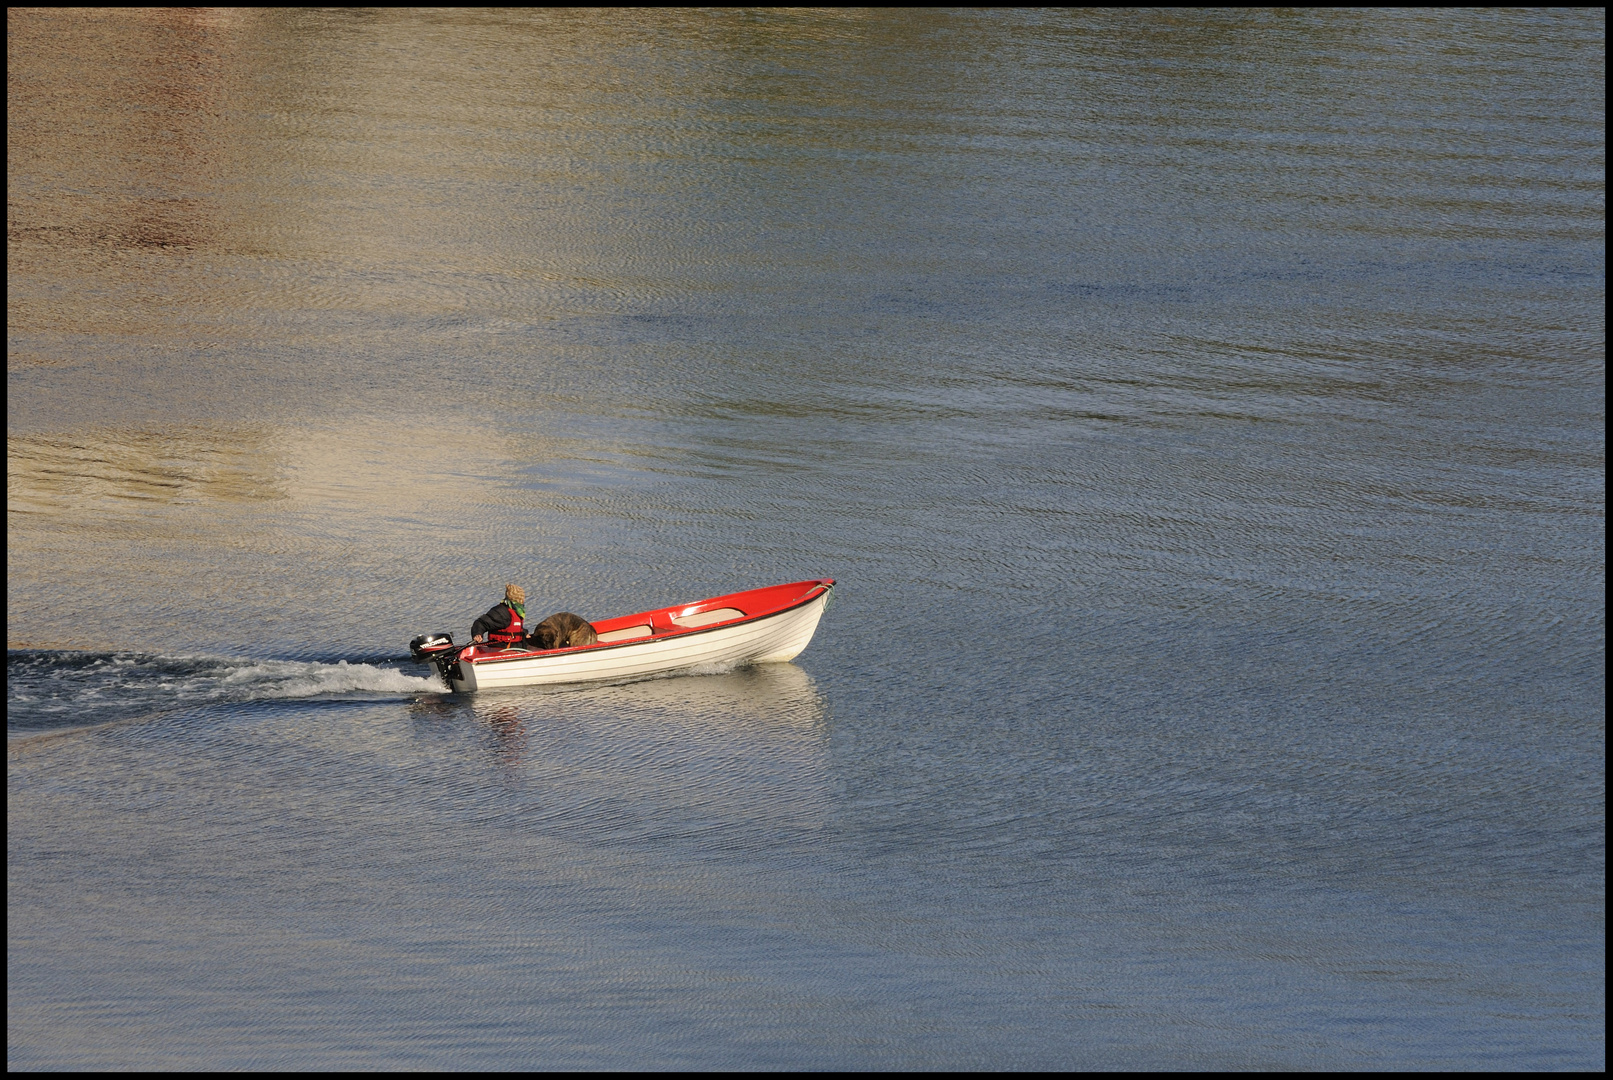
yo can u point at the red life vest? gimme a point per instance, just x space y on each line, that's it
511 634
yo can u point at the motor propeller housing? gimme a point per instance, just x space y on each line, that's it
427 647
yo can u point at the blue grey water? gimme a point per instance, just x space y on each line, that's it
1203 415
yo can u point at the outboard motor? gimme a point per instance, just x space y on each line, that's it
440 651
428 647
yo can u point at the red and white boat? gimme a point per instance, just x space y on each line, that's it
760 626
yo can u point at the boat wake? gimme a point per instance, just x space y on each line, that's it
47 690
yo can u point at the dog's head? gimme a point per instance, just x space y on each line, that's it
544 635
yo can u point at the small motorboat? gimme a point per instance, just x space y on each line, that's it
761 626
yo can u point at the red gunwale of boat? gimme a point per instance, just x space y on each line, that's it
755 603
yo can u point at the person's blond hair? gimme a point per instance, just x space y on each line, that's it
515 594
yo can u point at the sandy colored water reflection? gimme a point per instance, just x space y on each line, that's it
93 475
181 532
118 172
190 180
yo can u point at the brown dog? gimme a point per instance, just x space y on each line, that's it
563 631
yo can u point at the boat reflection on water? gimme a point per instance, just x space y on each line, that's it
508 732
743 751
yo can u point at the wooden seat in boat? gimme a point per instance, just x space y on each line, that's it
627 633
706 618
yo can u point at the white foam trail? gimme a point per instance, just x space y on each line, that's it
71 691
295 679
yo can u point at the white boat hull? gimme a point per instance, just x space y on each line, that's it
773 638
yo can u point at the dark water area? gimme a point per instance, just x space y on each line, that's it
1203 415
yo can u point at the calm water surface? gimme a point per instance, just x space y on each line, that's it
1203 414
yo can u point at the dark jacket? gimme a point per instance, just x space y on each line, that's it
497 618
